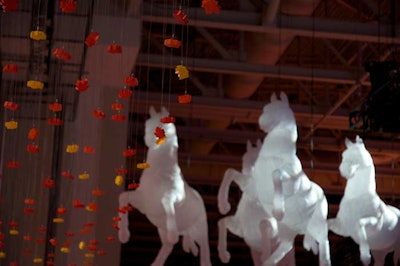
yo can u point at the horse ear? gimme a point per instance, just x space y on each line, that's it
248 145
152 111
164 110
359 140
284 97
347 142
273 97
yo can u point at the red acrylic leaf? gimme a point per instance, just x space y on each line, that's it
181 17
54 121
67 174
61 54
124 93
32 148
117 106
55 107
114 49
82 85
131 81
159 132
33 133
9 5
98 114
118 117
133 186
167 119
68 6
49 183
11 106
92 39
129 152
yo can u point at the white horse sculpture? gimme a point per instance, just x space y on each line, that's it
284 190
362 215
166 199
247 222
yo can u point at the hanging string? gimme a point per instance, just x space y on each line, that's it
312 93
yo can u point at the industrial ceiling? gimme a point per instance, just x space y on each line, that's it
315 51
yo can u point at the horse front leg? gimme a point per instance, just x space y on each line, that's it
365 254
172 229
166 248
126 198
223 192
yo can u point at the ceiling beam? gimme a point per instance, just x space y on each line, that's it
243 68
295 25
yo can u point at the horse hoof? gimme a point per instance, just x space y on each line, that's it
123 236
225 256
224 208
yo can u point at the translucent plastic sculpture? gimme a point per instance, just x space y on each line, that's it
166 199
284 190
247 222
362 215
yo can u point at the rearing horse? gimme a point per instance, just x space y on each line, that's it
362 215
165 198
284 190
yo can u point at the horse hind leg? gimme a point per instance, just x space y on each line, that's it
166 248
223 225
379 257
199 234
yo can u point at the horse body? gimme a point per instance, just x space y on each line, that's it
250 214
166 199
284 190
362 215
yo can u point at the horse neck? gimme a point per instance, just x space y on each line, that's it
280 140
166 152
363 182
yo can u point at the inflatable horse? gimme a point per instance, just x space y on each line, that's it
164 197
362 215
284 190
249 218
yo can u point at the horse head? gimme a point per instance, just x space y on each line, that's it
277 113
250 156
354 157
159 129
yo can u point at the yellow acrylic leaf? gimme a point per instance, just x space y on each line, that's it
64 250
72 148
160 141
11 124
38 35
58 220
89 255
182 71
35 84
143 165
82 245
14 232
37 260
119 180
84 176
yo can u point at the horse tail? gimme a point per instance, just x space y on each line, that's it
317 228
396 254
